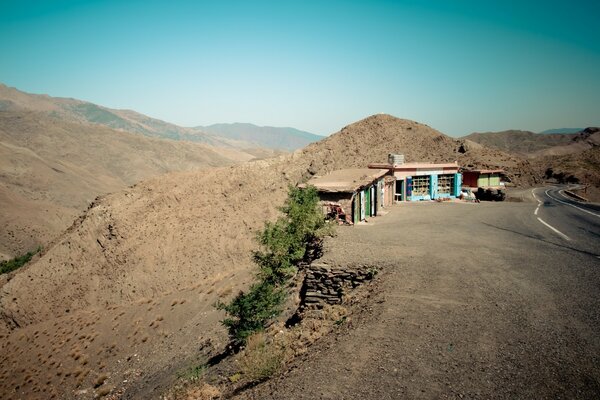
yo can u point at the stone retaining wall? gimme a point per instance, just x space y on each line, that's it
325 284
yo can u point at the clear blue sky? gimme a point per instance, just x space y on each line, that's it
459 66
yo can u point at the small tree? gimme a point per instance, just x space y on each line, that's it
285 243
250 312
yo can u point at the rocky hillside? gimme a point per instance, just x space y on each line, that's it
521 142
371 139
579 162
50 170
125 295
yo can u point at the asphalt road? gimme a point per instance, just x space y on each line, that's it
473 301
577 223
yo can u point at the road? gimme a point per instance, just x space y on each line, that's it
576 222
473 301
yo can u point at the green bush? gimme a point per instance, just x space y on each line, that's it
285 243
250 312
17 262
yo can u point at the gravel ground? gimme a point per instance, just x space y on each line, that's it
473 301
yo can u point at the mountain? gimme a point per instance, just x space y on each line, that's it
50 170
562 130
130 286
59 154
520 142
577 162
82 112
238 136
264 136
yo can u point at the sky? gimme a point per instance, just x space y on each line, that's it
459 66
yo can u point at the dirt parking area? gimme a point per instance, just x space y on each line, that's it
472 301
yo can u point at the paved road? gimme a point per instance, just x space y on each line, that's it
474 301
576 222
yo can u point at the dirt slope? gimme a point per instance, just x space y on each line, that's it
50 170
128 290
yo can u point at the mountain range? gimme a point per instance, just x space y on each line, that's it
239 136
59 154
562 130
263 136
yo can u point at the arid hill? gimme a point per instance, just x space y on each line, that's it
524 143
578 162
264 136
83 112
124 297
236 136
559 157
50 170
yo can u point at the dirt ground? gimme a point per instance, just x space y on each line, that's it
123 300
473 301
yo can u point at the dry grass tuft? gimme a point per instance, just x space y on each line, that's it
261 358
205 392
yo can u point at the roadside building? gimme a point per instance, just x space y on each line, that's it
422 181
352 195
484 178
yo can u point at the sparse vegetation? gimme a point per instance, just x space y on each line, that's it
261 358
194 373
293 238
17 262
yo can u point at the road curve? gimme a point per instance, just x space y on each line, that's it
574 221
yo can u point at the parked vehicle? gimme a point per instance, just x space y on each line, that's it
490 194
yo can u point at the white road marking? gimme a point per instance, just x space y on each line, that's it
554 229
538 200
544 222
569 204
535 197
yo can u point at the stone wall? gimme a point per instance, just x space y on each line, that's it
325 284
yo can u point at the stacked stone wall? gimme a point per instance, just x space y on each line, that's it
325 284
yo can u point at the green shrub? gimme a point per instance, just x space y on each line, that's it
287 241
250 312
17 262
284 243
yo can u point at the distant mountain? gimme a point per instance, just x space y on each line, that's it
264 136
520 142
57 155
562 130
83 112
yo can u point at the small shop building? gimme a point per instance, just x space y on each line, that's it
422 181
355 194
484 178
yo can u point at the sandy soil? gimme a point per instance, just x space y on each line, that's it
127 290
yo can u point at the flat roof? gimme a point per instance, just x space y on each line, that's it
346 180
486 171
413 165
